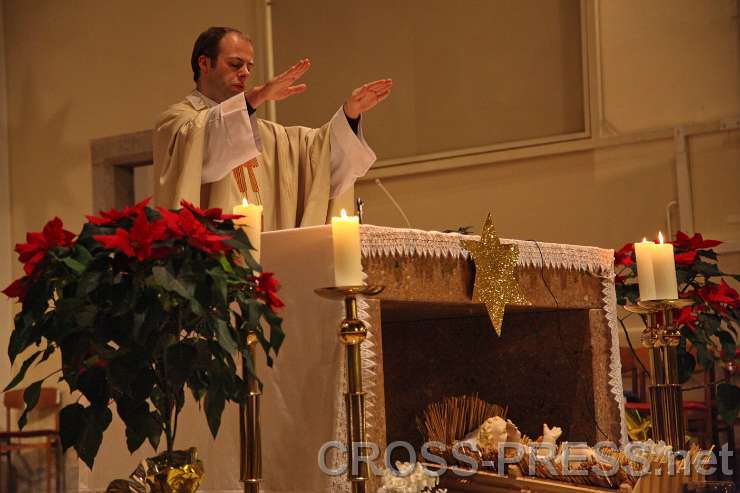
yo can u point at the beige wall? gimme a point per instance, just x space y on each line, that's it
77 71
668 62
5 242
504 70
663 64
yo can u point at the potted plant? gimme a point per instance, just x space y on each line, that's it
708 327
142 304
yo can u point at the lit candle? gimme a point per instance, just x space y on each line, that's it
664 270
645 275
345 232
251 223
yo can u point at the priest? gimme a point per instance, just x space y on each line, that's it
211 150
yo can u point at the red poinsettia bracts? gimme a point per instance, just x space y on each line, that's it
33 252
686 258
18 288
624 255
113 215
185 225
719 294
138 241
215 213
267 290
686 317
696 242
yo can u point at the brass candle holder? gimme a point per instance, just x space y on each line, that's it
352 332
250 439
661 337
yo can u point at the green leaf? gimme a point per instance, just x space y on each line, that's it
142 384
179 363
179 400
223 335
219 283
225 265
74 265
686 365
709 323
214 407
85 317
170 283
707 253
254 312
728 401
89 282
689 335
277 335
94 386
705 359
707 269
71 424
50 348
82 254
153 430
683 275
19 339
265 347
728 344
22 372
97 420
241 243
140 424
31 398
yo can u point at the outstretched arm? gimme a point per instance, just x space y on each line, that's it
280 86
366 97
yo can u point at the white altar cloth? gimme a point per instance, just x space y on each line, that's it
302 404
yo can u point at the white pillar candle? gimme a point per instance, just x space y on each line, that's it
251 223
664 270
345 233
645 275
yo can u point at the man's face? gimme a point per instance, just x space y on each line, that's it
227 76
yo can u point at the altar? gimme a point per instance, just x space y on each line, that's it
557 361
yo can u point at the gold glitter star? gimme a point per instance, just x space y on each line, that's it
495 282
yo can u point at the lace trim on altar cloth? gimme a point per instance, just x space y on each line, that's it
384 241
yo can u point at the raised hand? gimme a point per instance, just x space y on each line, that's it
367 96
280 86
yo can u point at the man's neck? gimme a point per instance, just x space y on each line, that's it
201 88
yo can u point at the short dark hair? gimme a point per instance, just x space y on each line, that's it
207 44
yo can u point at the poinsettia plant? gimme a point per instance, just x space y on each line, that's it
142 304
709 327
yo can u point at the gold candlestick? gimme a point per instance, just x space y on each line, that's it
352 332
250 439
662 339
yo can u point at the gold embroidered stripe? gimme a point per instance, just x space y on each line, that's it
241 182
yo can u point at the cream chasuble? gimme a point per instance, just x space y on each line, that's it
294 170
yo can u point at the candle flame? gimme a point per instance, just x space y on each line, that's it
343 213
660 237
244 202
